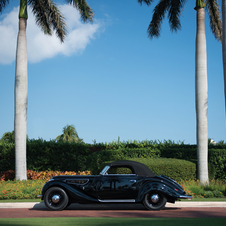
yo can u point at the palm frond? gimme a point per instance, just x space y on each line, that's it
8 137
213 10
158 15
84 9
3 4
148 2
69 135
176 6
49 17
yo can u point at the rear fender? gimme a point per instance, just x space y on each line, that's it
156 186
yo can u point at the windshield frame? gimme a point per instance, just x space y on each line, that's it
104 170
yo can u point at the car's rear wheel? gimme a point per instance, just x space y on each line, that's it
154 200
56 198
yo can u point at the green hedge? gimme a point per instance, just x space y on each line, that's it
217 162
187 152
95 160
176 169
56 156
50 155
7 157
43 155
216 157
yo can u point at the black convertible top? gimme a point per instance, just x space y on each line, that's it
137 168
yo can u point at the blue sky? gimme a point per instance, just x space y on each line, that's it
109 79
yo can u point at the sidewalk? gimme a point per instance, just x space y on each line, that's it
41 205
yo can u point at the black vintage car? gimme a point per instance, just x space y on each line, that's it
118 182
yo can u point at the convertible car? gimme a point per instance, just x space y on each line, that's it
119 182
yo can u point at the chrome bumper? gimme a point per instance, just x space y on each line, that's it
185 197
39 196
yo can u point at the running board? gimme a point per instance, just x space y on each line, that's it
117 200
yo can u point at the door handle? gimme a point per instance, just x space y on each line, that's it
132 181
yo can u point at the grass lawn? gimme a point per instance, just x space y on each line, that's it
113 221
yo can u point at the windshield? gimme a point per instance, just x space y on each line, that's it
104 170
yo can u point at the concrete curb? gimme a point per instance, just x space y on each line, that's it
22 205
41 205
197 204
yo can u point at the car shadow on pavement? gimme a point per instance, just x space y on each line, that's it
99 206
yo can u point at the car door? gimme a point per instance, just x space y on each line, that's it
126 186
117 187
104 186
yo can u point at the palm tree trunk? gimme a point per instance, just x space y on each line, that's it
224 46
21 90
201 98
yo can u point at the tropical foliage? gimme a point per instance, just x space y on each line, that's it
174 9
216 188
31 188
61 156
8 137
224 45
69 135
49 19
42 175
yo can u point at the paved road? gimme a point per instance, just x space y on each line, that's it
115 210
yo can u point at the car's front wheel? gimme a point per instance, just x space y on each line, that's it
154 200
56 198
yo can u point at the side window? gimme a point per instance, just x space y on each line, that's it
120 170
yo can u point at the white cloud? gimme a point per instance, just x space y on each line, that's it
39 45
8 37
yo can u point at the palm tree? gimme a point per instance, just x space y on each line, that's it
8 137
174 8
69 135
201 96
224 45
50 19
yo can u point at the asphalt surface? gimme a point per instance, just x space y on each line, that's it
177 210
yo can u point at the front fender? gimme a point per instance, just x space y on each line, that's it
72 192
156 186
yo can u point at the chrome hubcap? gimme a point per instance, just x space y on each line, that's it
155 198
56 198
